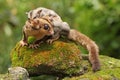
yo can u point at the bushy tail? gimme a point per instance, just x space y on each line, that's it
89 44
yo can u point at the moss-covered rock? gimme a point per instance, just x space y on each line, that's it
62 58
110 70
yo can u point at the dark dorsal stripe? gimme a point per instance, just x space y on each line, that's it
45 18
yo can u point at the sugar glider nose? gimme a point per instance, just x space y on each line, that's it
51 32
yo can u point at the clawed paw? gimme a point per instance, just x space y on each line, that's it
22 43
40 42
49 41
33 46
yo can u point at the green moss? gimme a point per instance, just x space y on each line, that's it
31 39
110 70
101 75
63 57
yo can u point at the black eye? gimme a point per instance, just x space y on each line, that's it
46 26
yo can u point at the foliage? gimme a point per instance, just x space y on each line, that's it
99 19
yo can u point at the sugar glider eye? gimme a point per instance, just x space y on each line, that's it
46 26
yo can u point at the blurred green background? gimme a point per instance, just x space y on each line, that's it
98 19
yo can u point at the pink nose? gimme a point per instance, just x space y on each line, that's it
51 32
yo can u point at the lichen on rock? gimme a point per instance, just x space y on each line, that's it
15 73
62 58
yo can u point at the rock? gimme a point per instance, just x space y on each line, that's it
15 73
110 70
18 73
62 58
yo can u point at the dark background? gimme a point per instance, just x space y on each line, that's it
98 19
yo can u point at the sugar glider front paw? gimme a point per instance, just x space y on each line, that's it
22 43
34 46
50 41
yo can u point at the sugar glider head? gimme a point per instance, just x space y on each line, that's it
39 26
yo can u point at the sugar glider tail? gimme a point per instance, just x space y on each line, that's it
89 44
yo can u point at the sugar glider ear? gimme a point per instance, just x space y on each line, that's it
29 14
